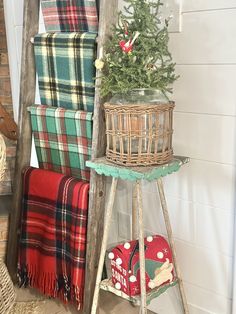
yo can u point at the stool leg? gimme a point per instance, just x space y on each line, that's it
107 221
134 212
141 249
171 242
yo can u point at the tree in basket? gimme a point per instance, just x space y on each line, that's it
137 54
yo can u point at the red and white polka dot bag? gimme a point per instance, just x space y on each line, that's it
125 265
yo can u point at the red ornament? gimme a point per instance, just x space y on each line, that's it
126 46
125 265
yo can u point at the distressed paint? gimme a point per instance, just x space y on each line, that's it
104 167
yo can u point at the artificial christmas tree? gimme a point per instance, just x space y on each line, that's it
137 55
137 71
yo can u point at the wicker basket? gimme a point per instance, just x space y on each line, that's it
139 134
7 292
2 157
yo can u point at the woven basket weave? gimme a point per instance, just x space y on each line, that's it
7 292
139 134
2 157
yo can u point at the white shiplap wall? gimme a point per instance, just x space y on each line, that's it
201 196
205 120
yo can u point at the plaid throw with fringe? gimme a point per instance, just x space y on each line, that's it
70 15
63 139
53 234
66 71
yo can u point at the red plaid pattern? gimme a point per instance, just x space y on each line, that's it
70 15
53 235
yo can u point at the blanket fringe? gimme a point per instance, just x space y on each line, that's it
51 285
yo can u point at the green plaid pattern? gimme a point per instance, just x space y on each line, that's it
63 139
65 67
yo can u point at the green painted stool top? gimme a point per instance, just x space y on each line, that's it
149 173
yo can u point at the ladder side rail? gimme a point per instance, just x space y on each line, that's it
23 154
107 17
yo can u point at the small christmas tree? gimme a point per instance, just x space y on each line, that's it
137 55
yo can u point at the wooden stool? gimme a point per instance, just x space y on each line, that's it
136 174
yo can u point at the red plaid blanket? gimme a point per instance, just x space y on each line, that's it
53 234
70 15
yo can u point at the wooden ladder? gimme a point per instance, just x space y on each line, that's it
107 17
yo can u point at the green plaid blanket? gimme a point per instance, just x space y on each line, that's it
65 67
63 139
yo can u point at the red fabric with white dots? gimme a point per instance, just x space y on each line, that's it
126 269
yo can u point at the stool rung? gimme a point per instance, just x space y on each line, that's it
107 285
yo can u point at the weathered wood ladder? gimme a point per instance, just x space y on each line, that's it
107 13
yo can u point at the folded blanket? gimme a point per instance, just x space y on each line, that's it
70 15
65 67
63 139
53 234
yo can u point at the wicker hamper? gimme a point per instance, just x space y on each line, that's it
7 292
139 134
2 157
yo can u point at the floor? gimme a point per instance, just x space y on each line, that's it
109 304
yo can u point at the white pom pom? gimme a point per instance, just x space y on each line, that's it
118 261
132 278
127 246
118 286
151 285
111 255
160 255
150 239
